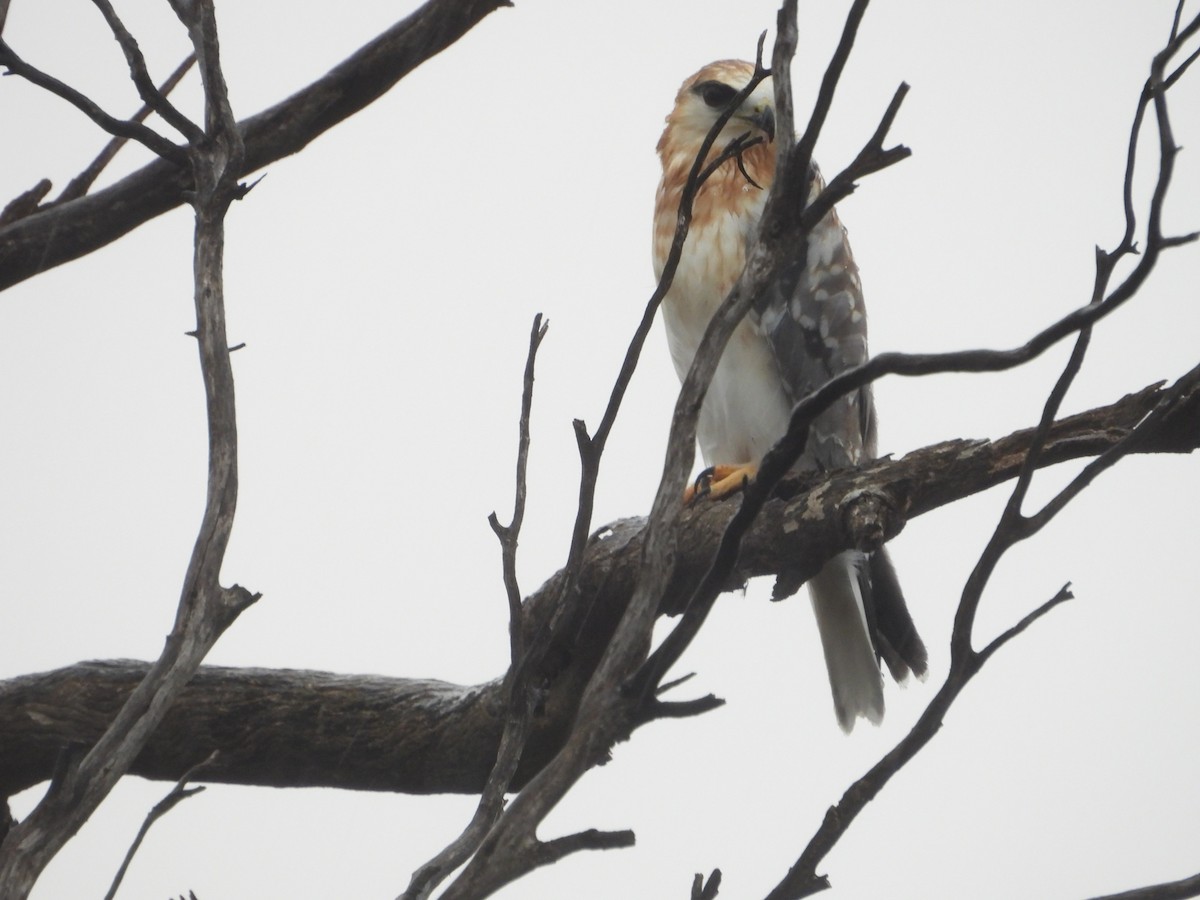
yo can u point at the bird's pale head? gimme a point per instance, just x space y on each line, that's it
709 93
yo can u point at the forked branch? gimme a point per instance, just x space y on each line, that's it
206 608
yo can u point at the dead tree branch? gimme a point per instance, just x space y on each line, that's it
206 608
1184 889
421 736
82 183
1014 526
518 693
148 137
63 233
140 75
178 794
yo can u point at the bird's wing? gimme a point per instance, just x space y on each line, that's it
815 321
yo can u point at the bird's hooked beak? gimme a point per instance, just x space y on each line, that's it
762 117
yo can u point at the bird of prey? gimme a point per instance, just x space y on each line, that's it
789 344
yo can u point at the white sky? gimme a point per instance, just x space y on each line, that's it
384 282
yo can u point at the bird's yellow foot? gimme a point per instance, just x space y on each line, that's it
716 482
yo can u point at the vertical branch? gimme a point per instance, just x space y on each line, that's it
508 534
516 691
206 608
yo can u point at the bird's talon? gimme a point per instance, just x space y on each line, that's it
699 488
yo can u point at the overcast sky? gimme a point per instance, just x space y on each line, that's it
384 282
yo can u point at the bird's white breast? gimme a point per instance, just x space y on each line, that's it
746 409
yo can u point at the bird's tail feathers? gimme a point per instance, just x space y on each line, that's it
896 636
854 675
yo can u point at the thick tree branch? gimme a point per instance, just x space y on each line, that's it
1184 889
420 736
62 233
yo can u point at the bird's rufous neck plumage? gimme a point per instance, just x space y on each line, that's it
730 190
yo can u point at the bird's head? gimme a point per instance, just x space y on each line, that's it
707 94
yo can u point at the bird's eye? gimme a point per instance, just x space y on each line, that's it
715 94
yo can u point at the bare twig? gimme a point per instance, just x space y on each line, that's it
178 794
508 534
81 183
119 127
23 204
706 891
140 75
794 174
517 691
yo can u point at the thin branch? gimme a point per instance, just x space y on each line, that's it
140 133
508 534
1064 594
140 75
703 891
82 183
1131 443
873 157
653 710
1012 527
795 174
178 794
516 691
24 204
593 839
